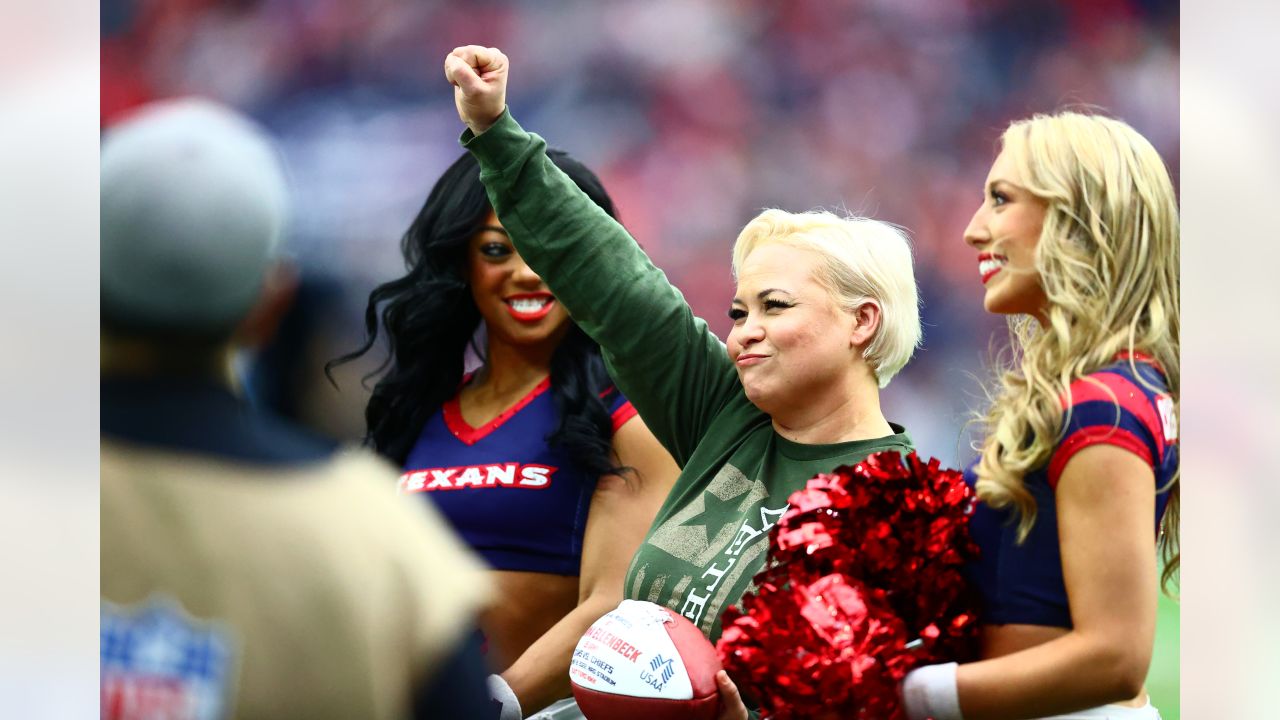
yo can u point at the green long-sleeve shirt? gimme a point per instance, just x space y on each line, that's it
710 536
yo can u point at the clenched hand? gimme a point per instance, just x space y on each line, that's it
479 78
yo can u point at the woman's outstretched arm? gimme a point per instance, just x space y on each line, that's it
666 361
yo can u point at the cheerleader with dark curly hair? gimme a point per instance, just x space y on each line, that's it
535 457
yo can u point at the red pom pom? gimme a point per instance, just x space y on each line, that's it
863 583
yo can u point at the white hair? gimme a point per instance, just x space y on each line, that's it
864 260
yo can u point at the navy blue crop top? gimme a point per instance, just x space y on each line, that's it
521 504
1023 583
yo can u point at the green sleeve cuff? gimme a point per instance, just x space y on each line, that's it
501 146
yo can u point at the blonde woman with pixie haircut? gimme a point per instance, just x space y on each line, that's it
861 260
1077 241
824 314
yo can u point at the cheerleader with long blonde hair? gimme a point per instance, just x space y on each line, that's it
1077 241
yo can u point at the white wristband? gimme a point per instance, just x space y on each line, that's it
930 692
500 691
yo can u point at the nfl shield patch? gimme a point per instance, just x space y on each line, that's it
159 662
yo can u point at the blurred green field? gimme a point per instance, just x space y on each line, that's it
1162 680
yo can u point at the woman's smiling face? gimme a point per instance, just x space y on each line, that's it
516 305
1005 231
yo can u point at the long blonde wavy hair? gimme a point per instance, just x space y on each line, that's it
1107 259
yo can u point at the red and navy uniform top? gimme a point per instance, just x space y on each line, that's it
520 503
1113 406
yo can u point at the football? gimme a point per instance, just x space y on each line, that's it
645 662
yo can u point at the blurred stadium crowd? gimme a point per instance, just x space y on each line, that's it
695 113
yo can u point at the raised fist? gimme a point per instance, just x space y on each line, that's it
479 78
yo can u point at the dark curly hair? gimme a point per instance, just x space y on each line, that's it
430 316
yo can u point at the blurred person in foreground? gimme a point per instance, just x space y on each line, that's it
535 458
1077 241
248 569
825 314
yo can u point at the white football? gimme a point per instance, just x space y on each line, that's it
645 662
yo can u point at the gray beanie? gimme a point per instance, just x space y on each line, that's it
194 201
